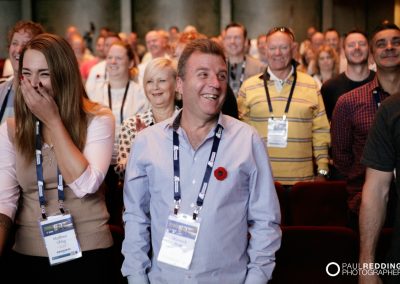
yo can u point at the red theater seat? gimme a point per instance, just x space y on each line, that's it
306 251
318 204
280 191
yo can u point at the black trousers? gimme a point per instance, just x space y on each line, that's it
95 266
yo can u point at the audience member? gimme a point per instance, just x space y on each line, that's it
99 56
306 59
288 112
174 35
229 106
79 47
305 44
98 73
157 46
138 49
355 111
120 93
317 40
50 163
356 50
382 160
240 65
332 38
159 86
327 65
158 193
18 36
262 48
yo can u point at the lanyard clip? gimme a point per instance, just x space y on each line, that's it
196 212
177 206
43 210
61 206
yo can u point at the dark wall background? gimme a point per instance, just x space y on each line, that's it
257 15
153 14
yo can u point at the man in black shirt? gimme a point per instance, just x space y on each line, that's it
357 73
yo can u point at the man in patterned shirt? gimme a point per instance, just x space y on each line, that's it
355 111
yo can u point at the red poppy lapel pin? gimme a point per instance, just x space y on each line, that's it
220 173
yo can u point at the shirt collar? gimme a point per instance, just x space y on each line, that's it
175 120
274 78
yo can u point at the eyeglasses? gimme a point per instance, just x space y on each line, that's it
285 30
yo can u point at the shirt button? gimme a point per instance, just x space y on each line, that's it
193 181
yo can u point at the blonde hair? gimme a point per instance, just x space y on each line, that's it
159 64
70 96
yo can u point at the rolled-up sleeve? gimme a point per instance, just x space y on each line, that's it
263 218
98 151
9 189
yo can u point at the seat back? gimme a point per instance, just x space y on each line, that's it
318 204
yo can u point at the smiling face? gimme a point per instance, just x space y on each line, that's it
18 41
234 41
117 62
386 48
160 88
356 49
156 44
203 87
36 70
279 51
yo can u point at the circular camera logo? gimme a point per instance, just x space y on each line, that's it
334 271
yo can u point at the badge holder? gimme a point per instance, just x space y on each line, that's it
58 230
178 243
277 132
59 237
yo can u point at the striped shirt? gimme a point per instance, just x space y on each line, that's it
308 133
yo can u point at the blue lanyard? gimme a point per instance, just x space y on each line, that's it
207 174
40 179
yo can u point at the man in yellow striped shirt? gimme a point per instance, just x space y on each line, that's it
288 112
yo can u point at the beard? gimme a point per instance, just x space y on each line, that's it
362 62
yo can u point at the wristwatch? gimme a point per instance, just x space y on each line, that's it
323 173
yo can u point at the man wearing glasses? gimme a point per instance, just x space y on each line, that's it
288 112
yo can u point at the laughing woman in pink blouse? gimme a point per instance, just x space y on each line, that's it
159 86
51 171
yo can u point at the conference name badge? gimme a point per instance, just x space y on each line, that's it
277 132
60 239
178 243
